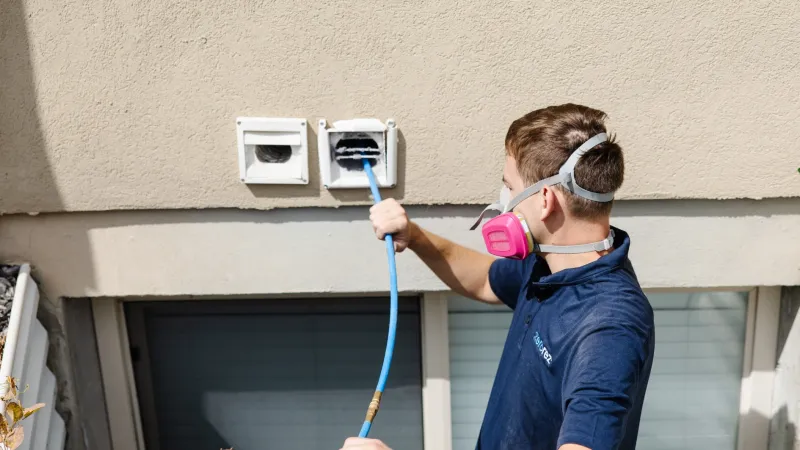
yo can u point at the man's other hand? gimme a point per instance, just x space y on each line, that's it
364 444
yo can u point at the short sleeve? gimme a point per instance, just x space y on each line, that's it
507 276
601 384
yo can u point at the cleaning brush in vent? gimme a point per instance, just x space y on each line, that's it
351 151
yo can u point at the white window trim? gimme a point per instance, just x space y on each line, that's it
436 420
758 370
116 367
758 373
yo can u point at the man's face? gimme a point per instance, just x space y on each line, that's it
515 184
511 178
533 207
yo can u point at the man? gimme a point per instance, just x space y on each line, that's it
578 354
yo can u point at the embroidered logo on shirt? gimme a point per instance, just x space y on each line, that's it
548 358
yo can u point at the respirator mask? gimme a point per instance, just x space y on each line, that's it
507 235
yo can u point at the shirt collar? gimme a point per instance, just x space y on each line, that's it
543 283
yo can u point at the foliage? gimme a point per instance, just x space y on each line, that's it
11 434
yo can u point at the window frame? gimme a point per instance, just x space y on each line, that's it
755 407
758 368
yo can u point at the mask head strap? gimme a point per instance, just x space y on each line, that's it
567 171
532 190
565 177
600 246
493 207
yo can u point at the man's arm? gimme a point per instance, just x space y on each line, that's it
602 383
462 269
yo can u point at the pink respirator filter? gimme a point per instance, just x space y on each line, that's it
506 237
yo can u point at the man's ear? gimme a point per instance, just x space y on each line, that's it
549 202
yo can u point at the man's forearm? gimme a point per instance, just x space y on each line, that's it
462 269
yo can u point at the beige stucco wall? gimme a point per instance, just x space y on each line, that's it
131 104
675 244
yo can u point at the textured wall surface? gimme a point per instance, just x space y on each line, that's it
131 104
675 244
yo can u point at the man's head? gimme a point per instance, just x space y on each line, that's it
539 143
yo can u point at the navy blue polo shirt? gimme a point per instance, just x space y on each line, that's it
577 358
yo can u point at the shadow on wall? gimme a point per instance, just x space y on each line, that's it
706 208
783 433
28 185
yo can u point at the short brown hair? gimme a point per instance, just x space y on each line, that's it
542 141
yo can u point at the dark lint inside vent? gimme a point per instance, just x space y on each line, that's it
350 153
273 153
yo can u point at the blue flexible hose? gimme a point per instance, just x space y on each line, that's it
387 358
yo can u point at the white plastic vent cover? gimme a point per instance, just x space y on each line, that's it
376 141
272 150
